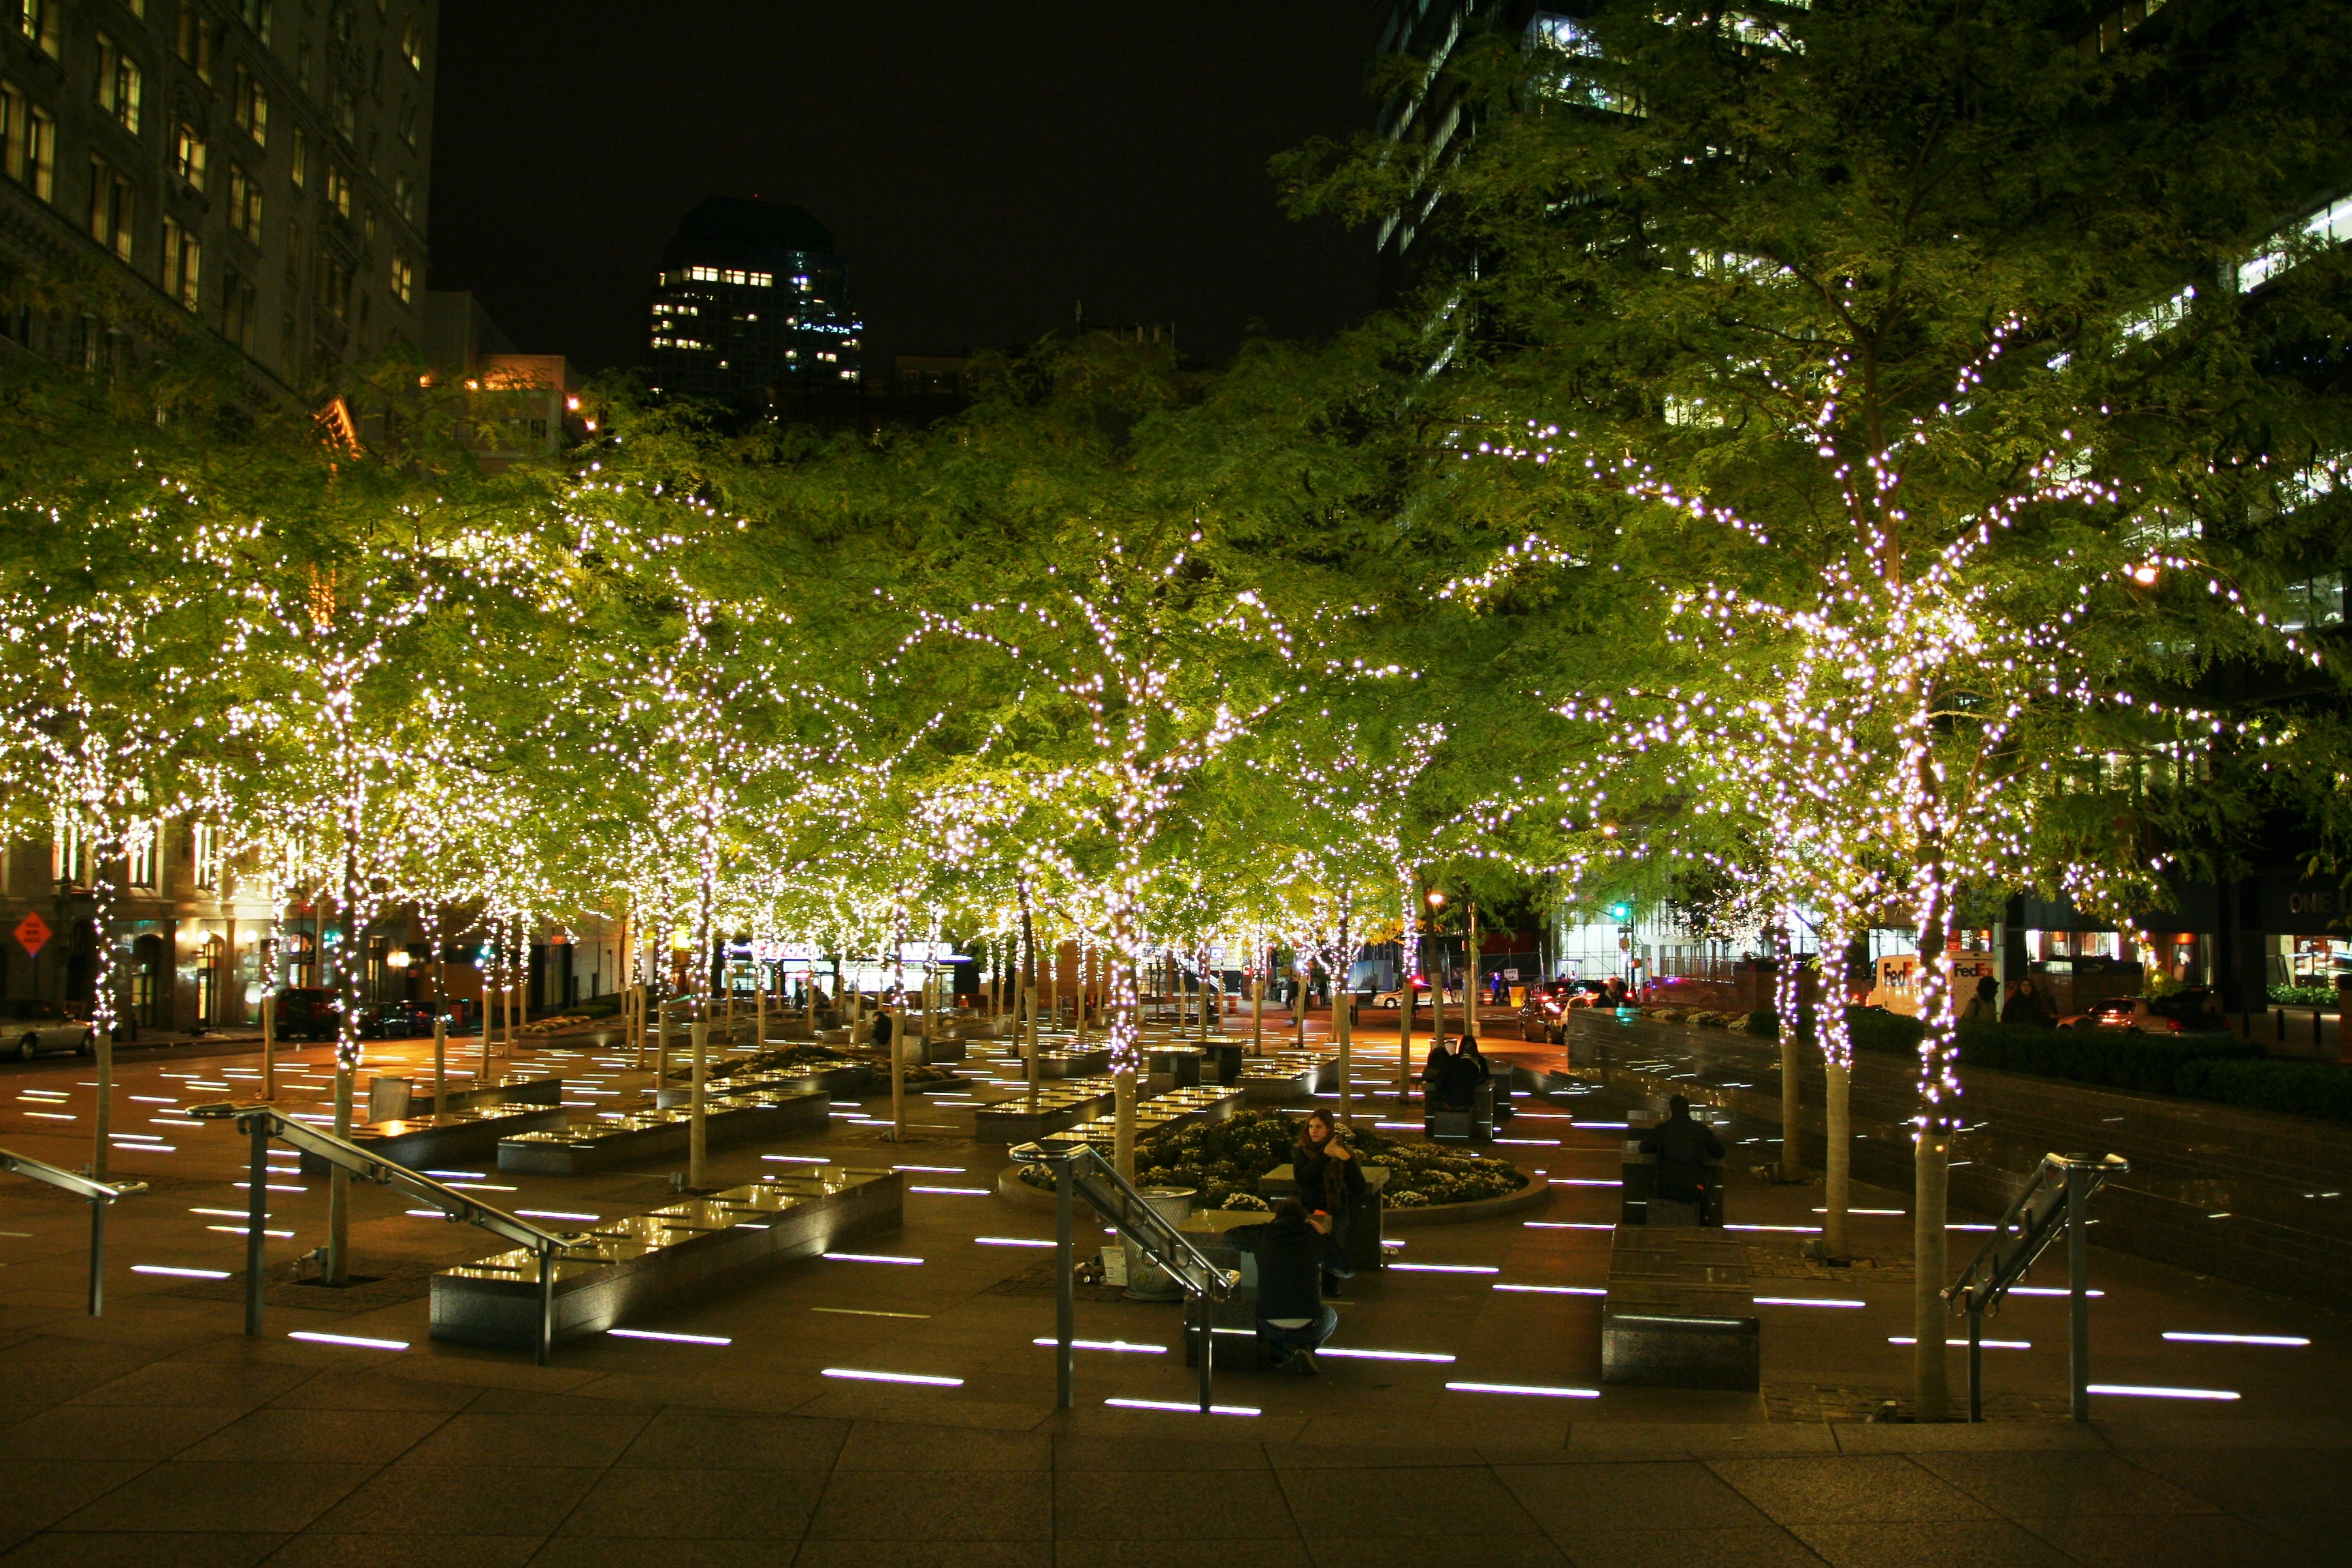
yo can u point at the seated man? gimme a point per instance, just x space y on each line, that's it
1292 1319
1684 1148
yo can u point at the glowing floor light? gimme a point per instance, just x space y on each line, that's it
1538 1390
673 1338
354 1340
179 1273
2187 1337
1126 1345
918 1377
2136 1391
1181 1409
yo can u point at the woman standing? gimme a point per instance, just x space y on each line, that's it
1330 1179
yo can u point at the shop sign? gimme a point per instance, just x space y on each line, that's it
2305 905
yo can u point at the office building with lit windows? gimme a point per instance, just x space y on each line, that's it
752 303
259 165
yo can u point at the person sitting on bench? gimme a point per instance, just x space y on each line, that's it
1684 1148
1293 1320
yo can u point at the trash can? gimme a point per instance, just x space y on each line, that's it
1147 1281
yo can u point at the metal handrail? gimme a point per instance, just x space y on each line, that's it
262 1123
1117 1200
100 1195
2056 1199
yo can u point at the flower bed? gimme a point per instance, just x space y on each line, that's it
1223 1160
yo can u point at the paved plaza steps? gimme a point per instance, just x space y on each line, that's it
454 1138
2217 1190
662 1135
686 1250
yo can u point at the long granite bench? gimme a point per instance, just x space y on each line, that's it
1678 1314
685 1251
455 1137
401 1104
1058 1108
662 1135
848 1081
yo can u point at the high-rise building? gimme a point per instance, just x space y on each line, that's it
751 302
260 164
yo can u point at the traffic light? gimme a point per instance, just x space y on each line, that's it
1622 913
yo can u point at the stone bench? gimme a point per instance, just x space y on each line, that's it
456 1137
1160 1113
1364 1251
686 1251
643 1136
847 1081
393 1098
1679 1313
1059 1110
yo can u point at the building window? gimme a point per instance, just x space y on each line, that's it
144 862
194 43
69 856
403 279
339 190
335 280
184 262
30 149
409 125
249 107
301 170
244 204
204 844
110 208
257 15
40 19
240 304
403 194
188 156
118 84
412 45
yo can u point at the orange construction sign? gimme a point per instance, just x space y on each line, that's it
33 934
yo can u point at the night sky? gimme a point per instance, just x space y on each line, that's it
982 166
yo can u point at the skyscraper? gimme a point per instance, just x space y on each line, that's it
259 165
751 302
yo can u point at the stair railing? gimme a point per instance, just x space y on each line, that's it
2056 1199
102 1196
1080 1170
260 1123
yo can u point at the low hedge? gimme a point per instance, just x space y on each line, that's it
2214 1067
2303 995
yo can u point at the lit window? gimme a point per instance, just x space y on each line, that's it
110 208
763 280
240 308
203 841
184 260
404 278
412 45
339 189
188 156
301 173
702 275
244 204
69 856
144 859
257 15
38 20
249 107
194 44
118 84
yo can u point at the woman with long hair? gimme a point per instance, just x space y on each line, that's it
1330 1179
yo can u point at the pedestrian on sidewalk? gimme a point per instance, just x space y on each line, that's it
1684 1148
2029 1005
1293 1320
1984 1007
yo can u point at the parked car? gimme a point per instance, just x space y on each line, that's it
1394 1000
395 1021
2193 1010
32 1028
1541 1016
307 1013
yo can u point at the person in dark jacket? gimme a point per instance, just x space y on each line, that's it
1445 1079
2027 1004
1330 1179
1292 1319
1683 1147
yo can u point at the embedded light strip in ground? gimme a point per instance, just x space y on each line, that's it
867 1258
2138 1391
674 1339
1106 1345
183 1273
1525 1388
318 1338
1558 1289
2189 1338
893 1377
1184 1409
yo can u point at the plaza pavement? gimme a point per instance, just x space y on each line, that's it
158 1433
